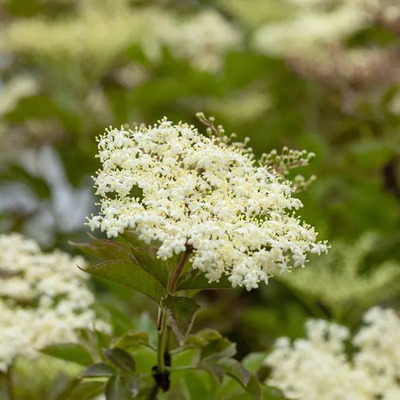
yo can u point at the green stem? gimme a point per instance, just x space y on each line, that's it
161 346
9 383
161 375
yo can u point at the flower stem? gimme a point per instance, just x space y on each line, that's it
161 346
161 374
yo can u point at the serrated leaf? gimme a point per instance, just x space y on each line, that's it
214 369
72 352
105 249
121 359
128 274
131 339
218 349
113 390
236 370
97 371
180 313
197 280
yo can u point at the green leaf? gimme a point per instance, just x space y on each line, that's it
69 352
214 369
202 338
106 249
254 389
197 280
235 369
131 339
209 335
218 349
253 361
132 238
146 257
121 359
98 370
180 313
113 389
128 274
86 391
197 385
62 387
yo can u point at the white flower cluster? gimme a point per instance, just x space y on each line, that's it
315 24
203 39
203 193
318 368
43 299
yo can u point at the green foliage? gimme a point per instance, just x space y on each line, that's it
99 370
343 282
69 352
180 313
129 274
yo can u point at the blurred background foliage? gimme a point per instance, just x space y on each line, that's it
319 75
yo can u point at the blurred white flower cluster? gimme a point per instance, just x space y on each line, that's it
203 193
202 39
318 367
44 299
312 24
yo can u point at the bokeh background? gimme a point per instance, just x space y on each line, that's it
318 75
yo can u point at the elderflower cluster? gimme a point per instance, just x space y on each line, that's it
202 39
43 299
202 193
318 368
313 26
